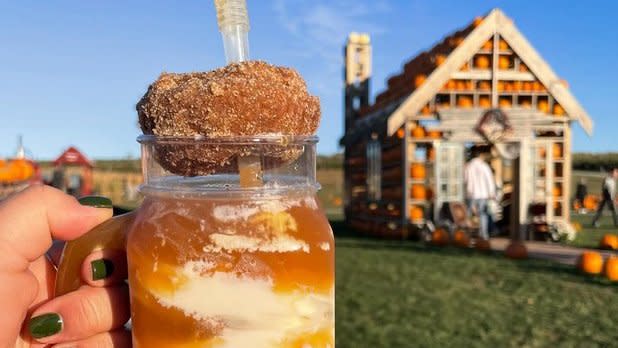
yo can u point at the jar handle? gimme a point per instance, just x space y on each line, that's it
110 234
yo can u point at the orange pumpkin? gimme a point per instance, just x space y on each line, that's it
484 102
526 86
460 85
543 106
482 62
504 62
557 150
558 110
464 101
484 85
508 87
434 134
400 133
523 67
590 262
525 103
610 269
418 132
465 67
517 85
416 213
516 250
440 237
482 245
461 239
451 84
542 152
419 80
505 102
557 191
609 241
500 86
503 45
477 21
417 171
488 45
590 202
440 59
419 191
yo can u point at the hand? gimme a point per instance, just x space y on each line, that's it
93 315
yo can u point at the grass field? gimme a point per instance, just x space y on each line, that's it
589 237
406 294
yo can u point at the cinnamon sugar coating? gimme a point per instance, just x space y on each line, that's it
240 99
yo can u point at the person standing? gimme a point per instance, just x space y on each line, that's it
480 188
608 194
581 191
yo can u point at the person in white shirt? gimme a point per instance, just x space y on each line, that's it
608 194
480 188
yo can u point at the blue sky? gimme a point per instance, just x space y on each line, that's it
72 71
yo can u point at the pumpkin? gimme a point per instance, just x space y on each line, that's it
503 45
516 250
609 241
508 87
610 269
426 110
525 103
505 102
590 202
440 237
418 132
464 101
500 86
517 85
484 85
557 150
419 191
488 45
417 171
504 62
451 84
460 85
400 133
482 61
523 67
484 102
543 106
465 67
419 80
477 21
482 245
526 86
537 86
557 191
558 110
434 134
469 85
542 152
461 239
416 213
590 262
445 104
440 59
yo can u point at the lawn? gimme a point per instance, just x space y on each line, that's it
405 294
589 237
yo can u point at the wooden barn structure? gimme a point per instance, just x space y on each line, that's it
405 153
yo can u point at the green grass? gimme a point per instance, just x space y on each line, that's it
589 237
406 294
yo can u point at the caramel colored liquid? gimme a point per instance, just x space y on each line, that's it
232 273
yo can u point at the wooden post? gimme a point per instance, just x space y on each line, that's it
515 201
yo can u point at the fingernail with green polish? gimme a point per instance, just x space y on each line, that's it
45 325
101 269
96 201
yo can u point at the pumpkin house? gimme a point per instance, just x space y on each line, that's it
405 153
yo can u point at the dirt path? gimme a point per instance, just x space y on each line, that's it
549 251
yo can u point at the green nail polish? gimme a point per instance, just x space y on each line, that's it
101 269
45 325
96 201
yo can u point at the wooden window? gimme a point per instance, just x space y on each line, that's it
374 170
